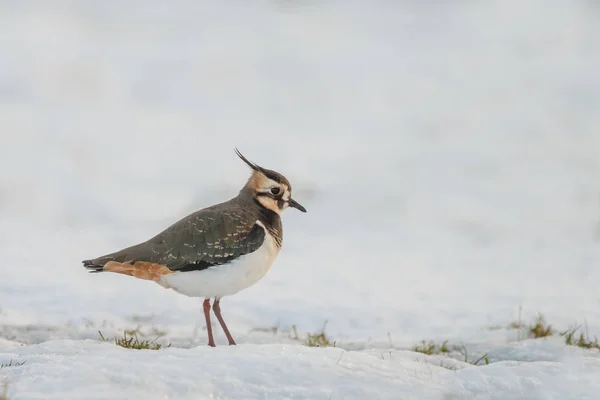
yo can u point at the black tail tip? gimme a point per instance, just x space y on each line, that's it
91 267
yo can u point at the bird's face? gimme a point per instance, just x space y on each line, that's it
271 189
274 194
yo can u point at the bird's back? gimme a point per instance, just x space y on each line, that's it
211 236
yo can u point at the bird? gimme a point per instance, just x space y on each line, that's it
216 251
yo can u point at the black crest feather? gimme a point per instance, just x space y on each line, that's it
277 177
250 163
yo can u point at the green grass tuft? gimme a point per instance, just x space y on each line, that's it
130 340
574 336
431 348
318 339
424 347
484 358
540 328
582 340
444 347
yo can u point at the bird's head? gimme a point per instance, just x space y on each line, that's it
271 189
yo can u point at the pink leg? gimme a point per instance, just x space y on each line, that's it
217 310
206 305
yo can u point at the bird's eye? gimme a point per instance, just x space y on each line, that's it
275 191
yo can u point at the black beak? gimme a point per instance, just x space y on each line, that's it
295 204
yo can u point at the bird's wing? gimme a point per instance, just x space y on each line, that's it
207 238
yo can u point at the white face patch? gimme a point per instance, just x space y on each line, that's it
271 201
270 183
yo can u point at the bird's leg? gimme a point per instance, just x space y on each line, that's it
206 306
217 310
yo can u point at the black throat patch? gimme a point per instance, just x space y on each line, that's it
272 222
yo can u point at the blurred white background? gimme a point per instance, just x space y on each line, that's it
448 156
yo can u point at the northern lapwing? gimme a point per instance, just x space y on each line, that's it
214 252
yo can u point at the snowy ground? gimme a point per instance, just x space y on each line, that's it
92 370
448 157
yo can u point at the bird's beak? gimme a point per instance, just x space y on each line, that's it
295 204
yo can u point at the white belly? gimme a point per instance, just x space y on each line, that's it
227 279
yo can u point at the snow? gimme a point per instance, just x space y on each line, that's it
88 369
448 157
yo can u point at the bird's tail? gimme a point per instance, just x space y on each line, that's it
92 266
